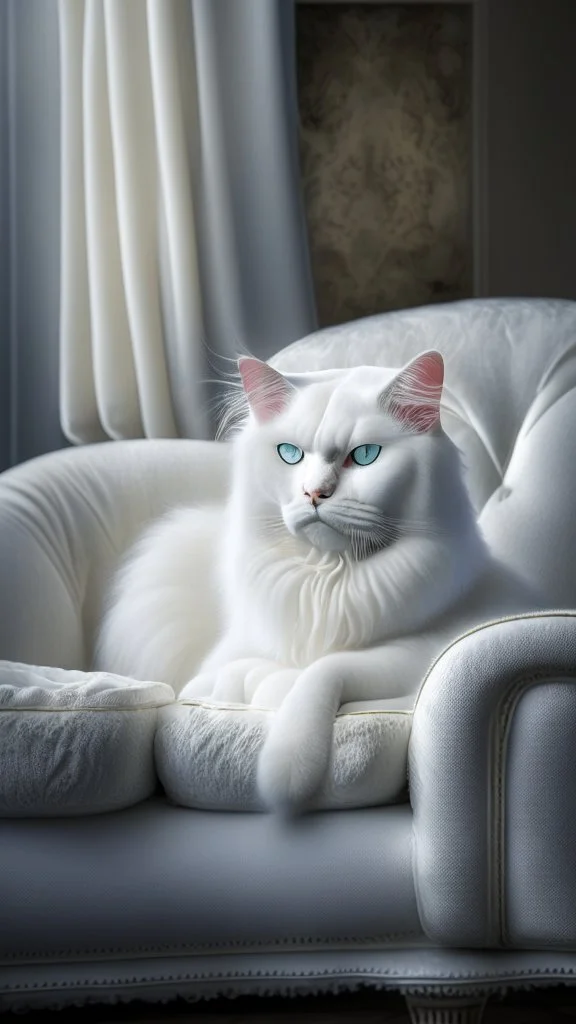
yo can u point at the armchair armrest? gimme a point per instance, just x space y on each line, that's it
493 786
66 519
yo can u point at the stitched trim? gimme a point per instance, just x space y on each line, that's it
74 711
502 724
375 711
293 944
197 703
453 984
552 614
498 743
208 706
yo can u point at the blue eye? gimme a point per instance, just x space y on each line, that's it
290 453
365 454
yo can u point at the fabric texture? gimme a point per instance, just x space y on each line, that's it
206 755
171 163
540 815
493 862
72 743
88 742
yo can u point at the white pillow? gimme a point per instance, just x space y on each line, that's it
75 742
206 754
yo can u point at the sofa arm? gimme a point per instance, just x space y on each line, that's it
66 519
493 786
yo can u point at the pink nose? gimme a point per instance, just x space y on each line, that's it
317 496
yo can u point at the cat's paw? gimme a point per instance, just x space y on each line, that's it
232 683
269 688
295 758
288 777
200 687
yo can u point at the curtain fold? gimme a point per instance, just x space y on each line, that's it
183 236
112 356
139 194
174 78
258 285
78 407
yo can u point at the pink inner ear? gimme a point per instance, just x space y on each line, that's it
267 390
423 379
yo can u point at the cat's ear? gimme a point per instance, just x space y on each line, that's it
267 391
414 395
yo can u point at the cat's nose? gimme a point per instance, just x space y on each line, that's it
315 497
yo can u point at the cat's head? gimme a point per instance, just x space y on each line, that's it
349 460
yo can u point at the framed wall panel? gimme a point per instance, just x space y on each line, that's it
385 97
523 143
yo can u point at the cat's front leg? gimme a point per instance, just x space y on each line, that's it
296 754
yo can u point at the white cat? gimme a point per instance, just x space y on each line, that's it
347 557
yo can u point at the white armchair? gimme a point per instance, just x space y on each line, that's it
464 891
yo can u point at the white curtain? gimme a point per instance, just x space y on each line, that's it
125 182
157 178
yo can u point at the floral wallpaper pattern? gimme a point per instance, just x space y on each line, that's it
384 96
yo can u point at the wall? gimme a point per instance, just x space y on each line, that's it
525 148
30 210
385 133
377 241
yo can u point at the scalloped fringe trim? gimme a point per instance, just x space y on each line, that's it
62 995
445 1011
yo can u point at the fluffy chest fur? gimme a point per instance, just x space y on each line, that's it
299 607
295 604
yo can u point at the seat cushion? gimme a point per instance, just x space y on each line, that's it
159 880
74 742
207 752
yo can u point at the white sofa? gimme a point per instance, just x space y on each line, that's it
467 889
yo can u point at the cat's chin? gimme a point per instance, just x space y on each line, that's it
324 538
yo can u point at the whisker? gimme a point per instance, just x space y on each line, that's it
371 513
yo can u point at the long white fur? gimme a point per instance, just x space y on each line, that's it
317 608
